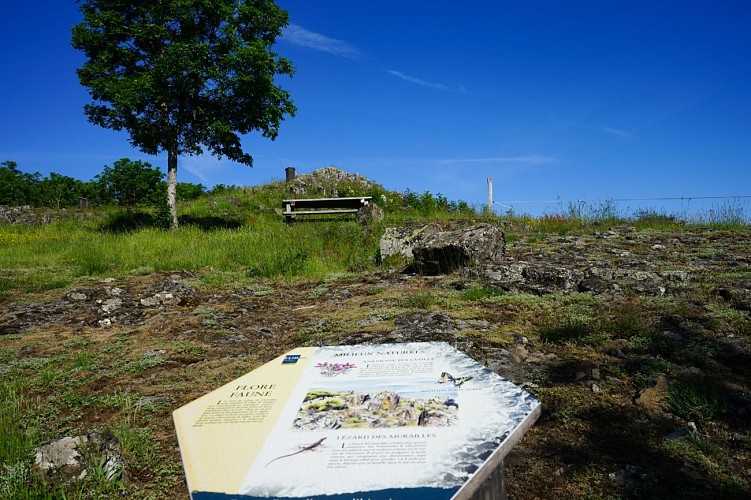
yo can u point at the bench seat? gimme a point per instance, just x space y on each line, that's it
322 212
323 206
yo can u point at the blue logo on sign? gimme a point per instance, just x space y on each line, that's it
290 359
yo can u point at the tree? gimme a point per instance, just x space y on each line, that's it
183 75
129 182
16 187
189 191
60 190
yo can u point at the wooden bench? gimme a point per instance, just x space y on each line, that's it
323 206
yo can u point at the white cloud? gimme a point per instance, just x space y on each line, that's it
297 35
423 83
619 133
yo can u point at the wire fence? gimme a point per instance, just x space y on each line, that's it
733 209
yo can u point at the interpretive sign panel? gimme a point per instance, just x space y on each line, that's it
387 421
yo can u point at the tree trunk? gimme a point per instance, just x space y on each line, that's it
172 184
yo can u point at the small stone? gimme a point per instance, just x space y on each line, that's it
60 457
153 353
616 347
595 388
111 305
105 323
151 401
161 298
169 299
579 376
150 301
653 399
658 247
595 373
77 296
519 354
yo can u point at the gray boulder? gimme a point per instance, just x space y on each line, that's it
448 251
69 458
399 241
369 213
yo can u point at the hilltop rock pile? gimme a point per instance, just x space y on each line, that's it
323 181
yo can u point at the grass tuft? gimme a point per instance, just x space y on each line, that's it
697 398
480 293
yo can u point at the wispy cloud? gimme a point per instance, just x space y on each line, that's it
204 167
423 83
619 133
297 35
516 160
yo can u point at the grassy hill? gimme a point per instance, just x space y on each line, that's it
108 323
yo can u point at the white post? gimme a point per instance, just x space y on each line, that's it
490 195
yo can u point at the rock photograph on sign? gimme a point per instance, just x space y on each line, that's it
413 420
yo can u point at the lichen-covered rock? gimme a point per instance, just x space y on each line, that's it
324 180
553 277
369 213
24 215
401 240
448 251
67 459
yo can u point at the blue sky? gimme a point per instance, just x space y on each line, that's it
579 100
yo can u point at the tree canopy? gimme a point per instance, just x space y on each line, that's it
184 76
129 182
15 186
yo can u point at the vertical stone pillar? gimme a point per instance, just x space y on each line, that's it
290 171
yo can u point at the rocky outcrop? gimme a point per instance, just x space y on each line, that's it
24 214
543 278
447 251
399 241
434 251
323 181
